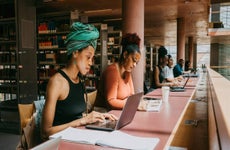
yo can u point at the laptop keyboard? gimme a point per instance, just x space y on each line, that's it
176 87
107 123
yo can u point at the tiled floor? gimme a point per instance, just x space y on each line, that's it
8 141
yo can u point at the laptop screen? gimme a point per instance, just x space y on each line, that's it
186 82
129 110
127 115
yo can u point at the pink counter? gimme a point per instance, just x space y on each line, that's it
161 124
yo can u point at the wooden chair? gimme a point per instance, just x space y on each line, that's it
91 99
29 136
25 113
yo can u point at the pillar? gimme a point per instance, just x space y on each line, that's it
194 55
190 51
180 38
214 54
133 22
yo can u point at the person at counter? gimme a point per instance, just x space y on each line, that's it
178 68
65 105
116 83
168 71
158 78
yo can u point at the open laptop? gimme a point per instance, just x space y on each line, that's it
179 88
126 117
52 144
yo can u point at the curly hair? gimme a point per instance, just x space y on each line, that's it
131 44
162 52
130 38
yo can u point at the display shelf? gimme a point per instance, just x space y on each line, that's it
17 51
8 53
8 67
113 45
52 29
150 61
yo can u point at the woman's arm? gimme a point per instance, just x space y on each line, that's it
53 93
157 80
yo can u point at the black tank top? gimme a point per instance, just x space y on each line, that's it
73 106
161 77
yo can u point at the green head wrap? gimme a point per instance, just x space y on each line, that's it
81 36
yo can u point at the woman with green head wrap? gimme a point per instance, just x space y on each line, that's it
65 103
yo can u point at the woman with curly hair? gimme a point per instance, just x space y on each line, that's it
116 83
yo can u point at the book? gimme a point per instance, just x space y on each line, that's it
115 139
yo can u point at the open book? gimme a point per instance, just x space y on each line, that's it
116 139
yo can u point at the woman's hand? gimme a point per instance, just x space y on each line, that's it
97 117
179 78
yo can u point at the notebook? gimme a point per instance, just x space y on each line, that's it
52 144
179 88
126 117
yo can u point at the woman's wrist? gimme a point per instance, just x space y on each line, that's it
167 84
83 121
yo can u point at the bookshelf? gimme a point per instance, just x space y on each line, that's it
17 55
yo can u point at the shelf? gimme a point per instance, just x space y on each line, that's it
7 20
47 32
51 49
7 42
46 63
7 78
8 63
52 29
55 15
44 78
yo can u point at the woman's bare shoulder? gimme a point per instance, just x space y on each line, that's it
58 80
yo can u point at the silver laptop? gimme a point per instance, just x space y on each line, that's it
52 144
179 88
126 117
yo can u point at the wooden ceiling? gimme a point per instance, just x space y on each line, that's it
160 16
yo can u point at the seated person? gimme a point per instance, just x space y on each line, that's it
168 71
158 73
187 65
178 68
116 83
65 105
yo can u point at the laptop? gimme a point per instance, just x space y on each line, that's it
195 75
126 117
52 144
179 88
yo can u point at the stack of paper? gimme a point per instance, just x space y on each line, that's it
116 139
152 104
